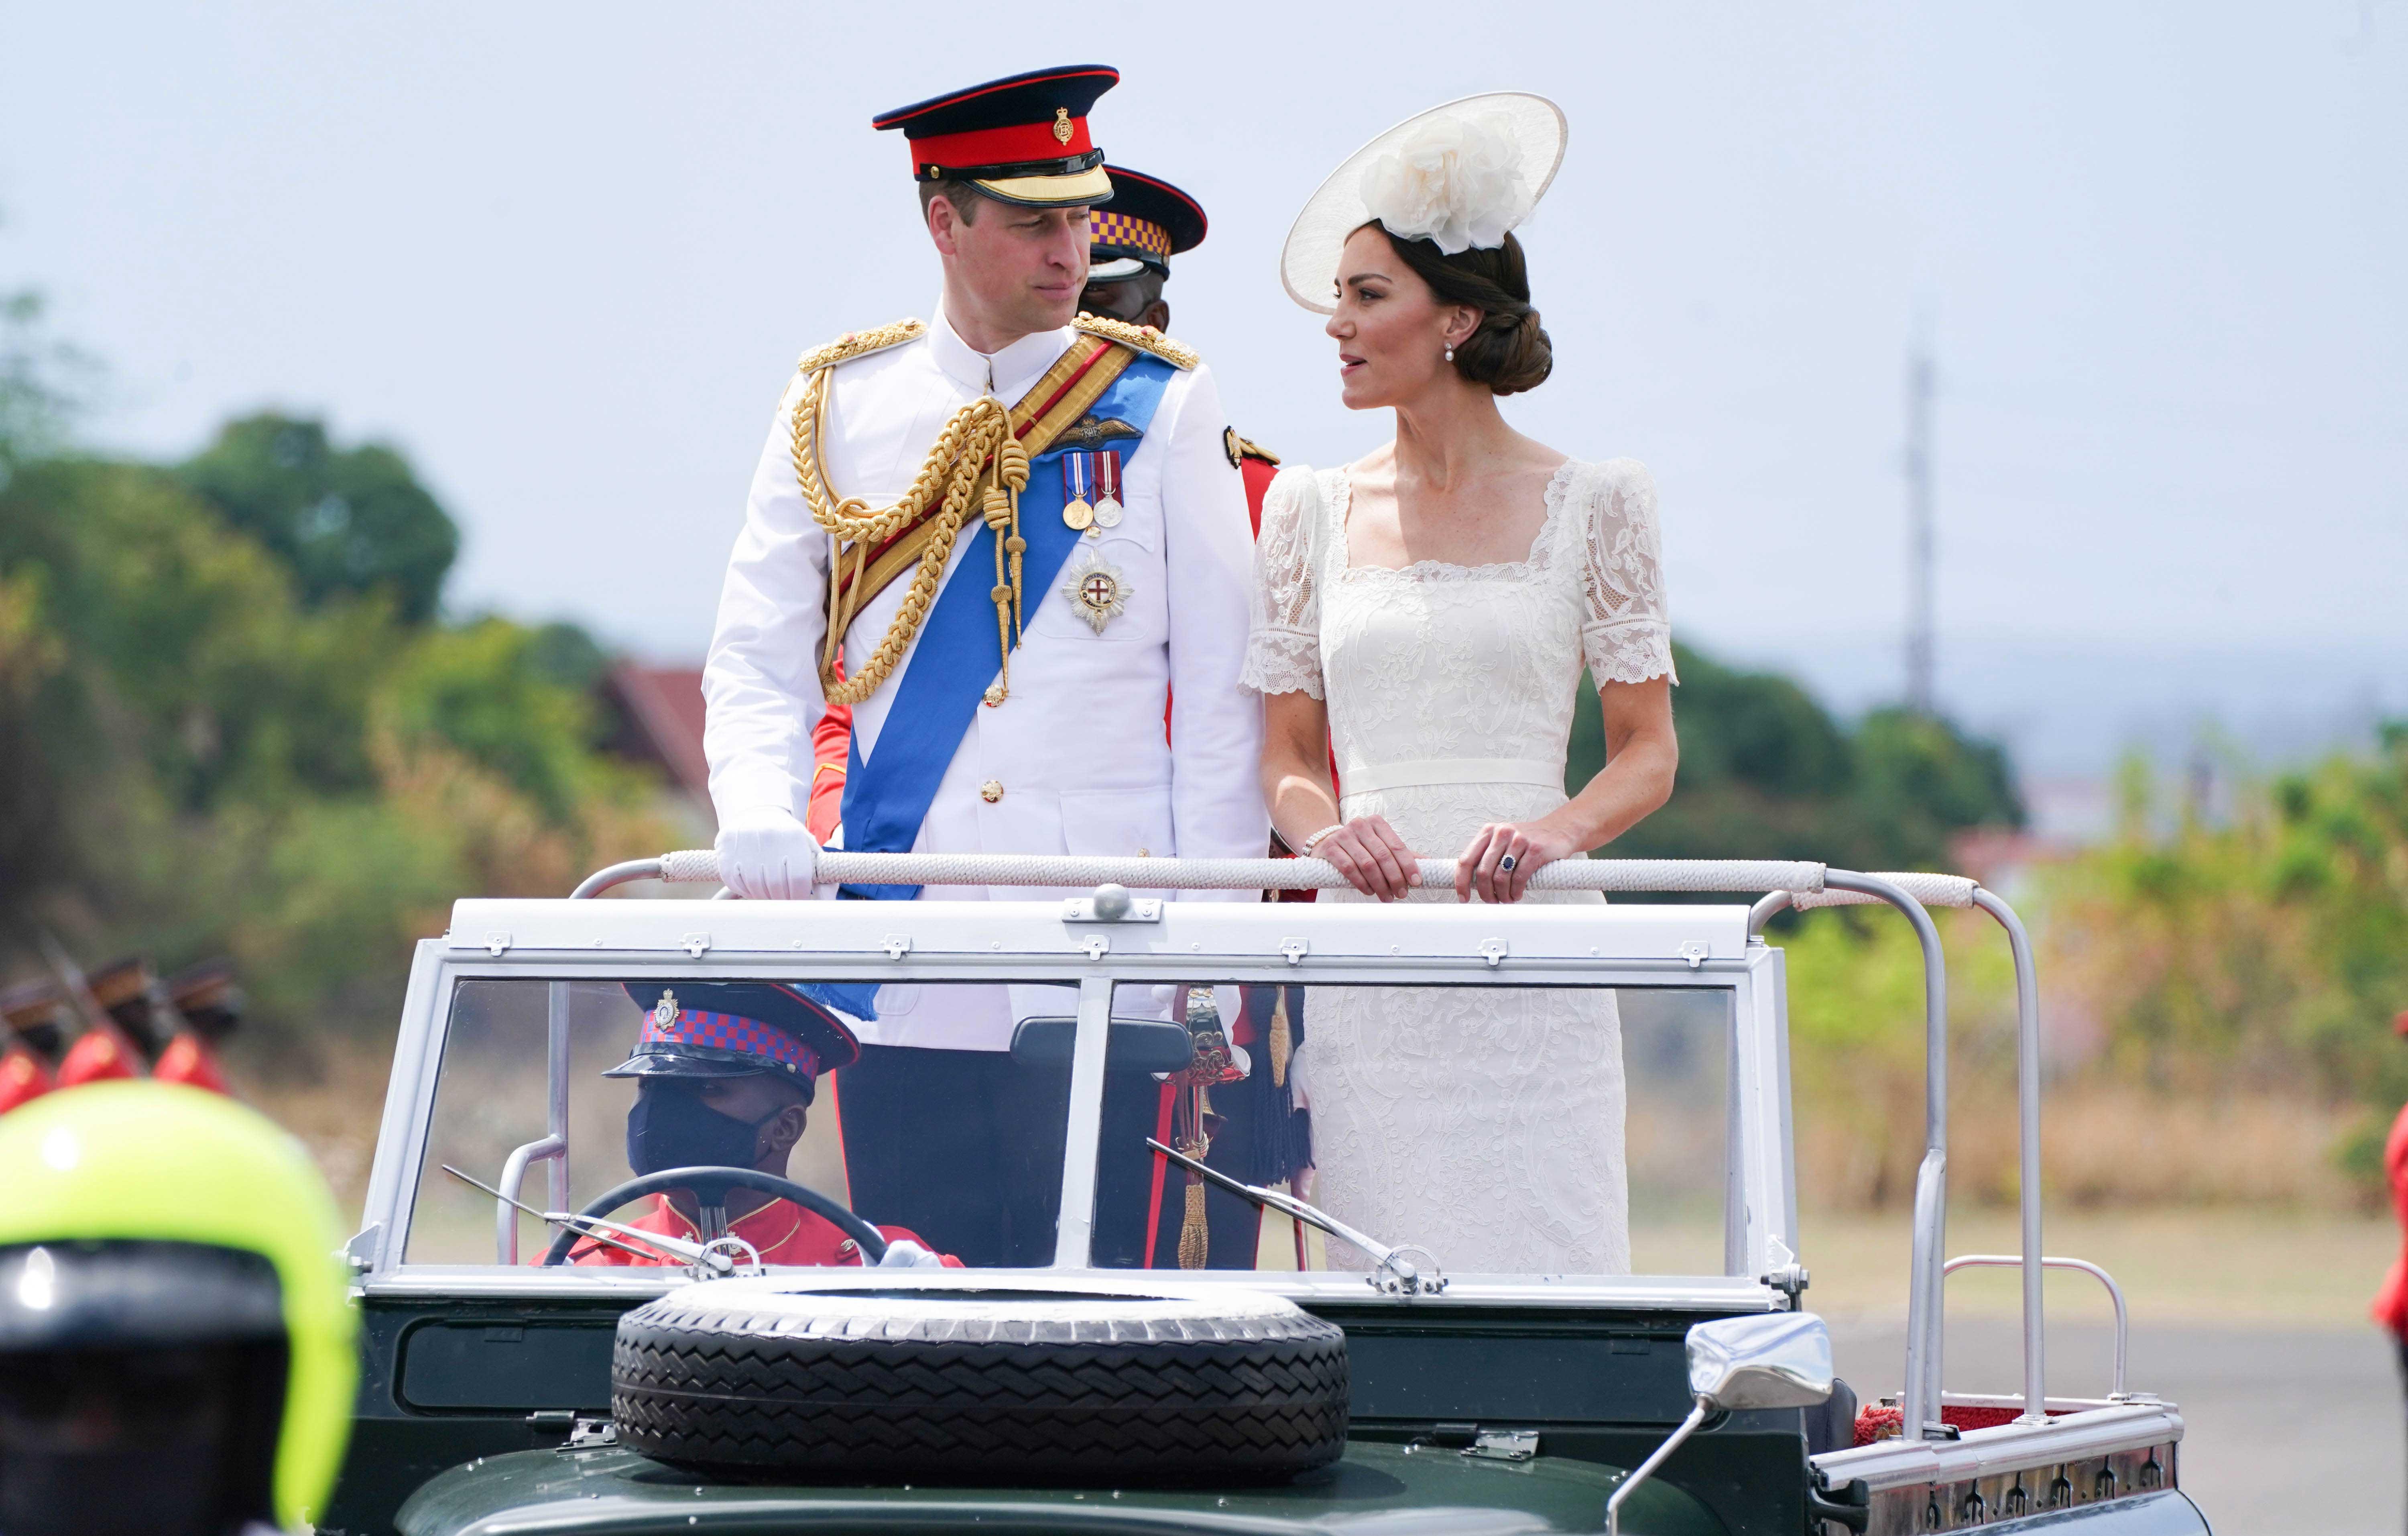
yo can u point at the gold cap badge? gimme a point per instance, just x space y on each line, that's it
1062 129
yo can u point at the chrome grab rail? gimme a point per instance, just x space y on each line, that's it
2114 1292
552 1146
506 1216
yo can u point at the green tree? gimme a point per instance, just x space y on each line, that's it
1767 773
510 700
347 521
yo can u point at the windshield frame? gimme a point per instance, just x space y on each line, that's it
1623 945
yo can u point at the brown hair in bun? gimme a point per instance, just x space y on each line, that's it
1510 352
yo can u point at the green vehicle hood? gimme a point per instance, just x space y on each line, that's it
1377 1489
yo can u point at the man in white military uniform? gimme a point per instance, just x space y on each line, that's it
1015 706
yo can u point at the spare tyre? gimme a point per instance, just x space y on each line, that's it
1051 1382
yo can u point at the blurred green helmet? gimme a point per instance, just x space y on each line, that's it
147 1230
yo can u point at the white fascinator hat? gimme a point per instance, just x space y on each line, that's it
1460 175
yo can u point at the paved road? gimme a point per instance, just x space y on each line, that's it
2283 1432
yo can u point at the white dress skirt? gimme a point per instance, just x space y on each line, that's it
1484 1124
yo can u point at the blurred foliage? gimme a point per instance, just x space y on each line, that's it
1766 772
225 729
2220 996
1857 1048
2270 951
38 375
346 522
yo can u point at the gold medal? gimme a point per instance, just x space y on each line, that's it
1078 514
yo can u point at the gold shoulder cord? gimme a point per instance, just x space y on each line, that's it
1145 339
950 475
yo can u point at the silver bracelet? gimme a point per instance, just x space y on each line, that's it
1309 845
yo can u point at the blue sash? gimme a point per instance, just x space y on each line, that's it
886 794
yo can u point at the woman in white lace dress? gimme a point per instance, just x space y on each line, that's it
1428 611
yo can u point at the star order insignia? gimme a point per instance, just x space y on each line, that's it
1097 590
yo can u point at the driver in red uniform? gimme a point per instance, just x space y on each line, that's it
725 1072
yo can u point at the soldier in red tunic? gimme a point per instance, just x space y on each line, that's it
2390 1307
725 1075
127 1037
209 1004
33 1036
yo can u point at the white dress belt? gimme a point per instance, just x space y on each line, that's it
1373 777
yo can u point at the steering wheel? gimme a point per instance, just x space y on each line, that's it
711 1186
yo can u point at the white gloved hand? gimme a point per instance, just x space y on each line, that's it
904 1254
766 854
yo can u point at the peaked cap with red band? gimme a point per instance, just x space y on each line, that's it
1020 139
1149 221
702 1029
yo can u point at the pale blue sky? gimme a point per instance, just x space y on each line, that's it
564 255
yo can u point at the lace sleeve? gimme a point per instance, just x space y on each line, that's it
1626 635
1284 646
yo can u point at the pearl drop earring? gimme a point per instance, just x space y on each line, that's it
1449 354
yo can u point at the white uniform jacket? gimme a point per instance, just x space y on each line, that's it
1078 750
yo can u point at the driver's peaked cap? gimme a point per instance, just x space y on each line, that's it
707 1029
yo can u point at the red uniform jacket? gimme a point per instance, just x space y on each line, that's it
190 1061
100 1055
22 1077
782 1231
2392 1304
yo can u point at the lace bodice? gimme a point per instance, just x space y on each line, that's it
1438 661
1487 1125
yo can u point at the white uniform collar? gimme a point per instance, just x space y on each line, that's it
1010 373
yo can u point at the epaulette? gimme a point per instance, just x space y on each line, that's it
1145 339
1241 449
855 344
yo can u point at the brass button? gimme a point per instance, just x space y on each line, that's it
991 790
1145 853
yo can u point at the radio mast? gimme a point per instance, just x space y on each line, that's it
1921 694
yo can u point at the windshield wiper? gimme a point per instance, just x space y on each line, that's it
1396 1275
707 1260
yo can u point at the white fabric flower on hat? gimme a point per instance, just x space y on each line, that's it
1454 181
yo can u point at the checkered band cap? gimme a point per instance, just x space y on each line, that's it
730 1033
1128 233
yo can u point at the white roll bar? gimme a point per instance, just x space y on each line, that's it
1956 891
699 865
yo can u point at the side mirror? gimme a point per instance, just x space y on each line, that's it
1777 1359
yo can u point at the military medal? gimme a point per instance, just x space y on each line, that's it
1078 514
1108 488
1096 591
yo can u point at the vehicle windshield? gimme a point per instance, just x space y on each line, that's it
1485 1129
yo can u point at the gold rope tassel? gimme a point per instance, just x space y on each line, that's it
997 505
949 478
1191 1228
1282 1042
1012 467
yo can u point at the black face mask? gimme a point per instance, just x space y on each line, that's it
670 1126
